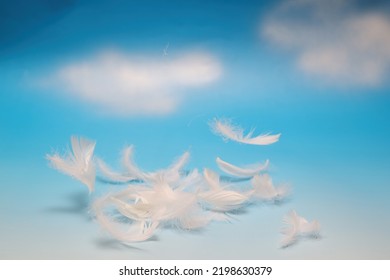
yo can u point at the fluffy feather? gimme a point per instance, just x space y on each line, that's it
230 132
132 169
111 175
298 227
264 189
174 197
137 231
170 174
78 163
219 198
245 172
201 219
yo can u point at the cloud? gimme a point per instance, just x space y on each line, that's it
130 85
333 40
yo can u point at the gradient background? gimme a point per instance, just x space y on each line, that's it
333 112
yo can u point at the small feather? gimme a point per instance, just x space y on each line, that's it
77 163
264 189
111 175
230 132
245 172
297 228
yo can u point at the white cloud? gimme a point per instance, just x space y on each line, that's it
333 40
127 85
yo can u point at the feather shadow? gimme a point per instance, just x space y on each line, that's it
76 204
113 244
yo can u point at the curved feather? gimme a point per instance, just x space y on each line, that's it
218 198
298 227
136 232
231 132
77 163
111 175
212 179
223 200
128 163
265 189
240 171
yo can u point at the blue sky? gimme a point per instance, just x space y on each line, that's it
315 71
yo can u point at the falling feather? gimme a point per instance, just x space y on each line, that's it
135 232
170 174
298 227
172 196
110 175
264 189
201 219
243 172
128 163
230 132
219 198
77 163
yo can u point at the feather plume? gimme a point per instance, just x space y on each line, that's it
77 163
264 189
243 172
230 132
111 175
173 196
201 219
137 231
298 227
170 174
219 198
132 169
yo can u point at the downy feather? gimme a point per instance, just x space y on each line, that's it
111 175
243 172
230 132
264 189
219 198
77 163
298 227
135 232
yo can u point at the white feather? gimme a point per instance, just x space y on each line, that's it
298 227
219 198
172 174
201 219
132 169
77 163
264 189
137 231
231 132
111 175
212 179
169 175
243 172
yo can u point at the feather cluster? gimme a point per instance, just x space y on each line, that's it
173 196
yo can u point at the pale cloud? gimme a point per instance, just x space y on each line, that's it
131 85
333 40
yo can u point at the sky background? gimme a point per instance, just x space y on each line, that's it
154 74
